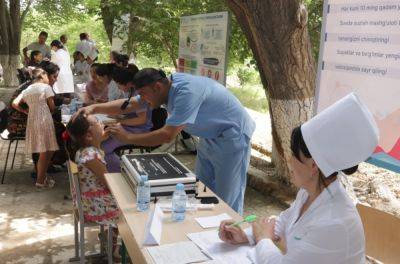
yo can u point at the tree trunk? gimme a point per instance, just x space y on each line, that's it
10 65
277 34
108 18
11 19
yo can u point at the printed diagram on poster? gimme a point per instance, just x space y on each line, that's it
203 44
360 52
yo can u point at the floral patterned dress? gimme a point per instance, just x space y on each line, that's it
99 205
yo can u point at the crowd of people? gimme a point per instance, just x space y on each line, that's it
321 226
49 80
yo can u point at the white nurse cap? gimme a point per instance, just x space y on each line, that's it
341 136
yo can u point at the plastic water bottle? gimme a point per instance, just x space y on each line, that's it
143 194
72 106
179 199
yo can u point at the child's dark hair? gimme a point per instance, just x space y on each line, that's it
35 53
37 74
124 75
297 145
56 43
49 67
77 128
122 60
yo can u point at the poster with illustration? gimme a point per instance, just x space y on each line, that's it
360 52
203 43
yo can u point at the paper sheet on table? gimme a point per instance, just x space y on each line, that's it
214 247
177 253
212 221
154 227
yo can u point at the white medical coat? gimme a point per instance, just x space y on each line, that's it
330 231
65 80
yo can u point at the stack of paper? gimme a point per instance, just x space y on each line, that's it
218 250
212 221
177 253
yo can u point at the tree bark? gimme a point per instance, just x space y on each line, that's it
11 19
108 19
277 34
10 65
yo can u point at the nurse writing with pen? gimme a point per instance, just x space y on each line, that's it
322 225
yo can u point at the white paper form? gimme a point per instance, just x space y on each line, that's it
212 221
177 253
154 227
220 251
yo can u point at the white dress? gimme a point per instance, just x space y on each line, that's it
329 232
65 81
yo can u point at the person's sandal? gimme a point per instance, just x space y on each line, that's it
48 184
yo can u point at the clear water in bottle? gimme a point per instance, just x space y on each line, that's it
143 194
179 199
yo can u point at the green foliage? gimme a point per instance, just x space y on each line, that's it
251 96
77 18
246 75
155 34
315 9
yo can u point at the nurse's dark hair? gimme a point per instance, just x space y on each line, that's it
124 75
297 145
56 43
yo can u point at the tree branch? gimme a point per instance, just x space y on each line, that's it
26 10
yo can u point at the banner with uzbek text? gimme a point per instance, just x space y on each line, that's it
360 52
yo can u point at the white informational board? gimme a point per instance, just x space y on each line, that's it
360 52
203 45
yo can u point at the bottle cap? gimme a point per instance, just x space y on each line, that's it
144 177
180 187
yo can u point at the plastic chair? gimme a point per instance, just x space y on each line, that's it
11 138
382 235
79 220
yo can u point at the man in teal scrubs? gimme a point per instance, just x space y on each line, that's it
204 108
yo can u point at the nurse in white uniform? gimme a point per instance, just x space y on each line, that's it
322 225
65 81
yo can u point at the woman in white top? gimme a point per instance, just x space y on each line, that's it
65 81
81 68
322 225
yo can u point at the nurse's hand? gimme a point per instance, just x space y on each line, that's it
231 234
118 132
264 228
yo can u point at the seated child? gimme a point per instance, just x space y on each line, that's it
84 136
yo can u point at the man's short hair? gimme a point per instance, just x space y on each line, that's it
43 33
148 76
83 36
63 36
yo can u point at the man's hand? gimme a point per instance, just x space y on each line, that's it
118 132
87 110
